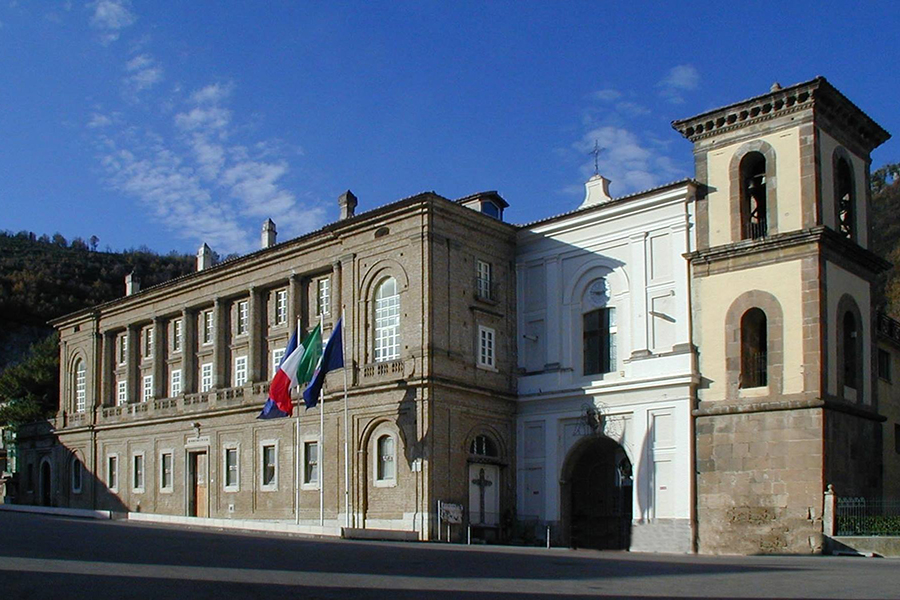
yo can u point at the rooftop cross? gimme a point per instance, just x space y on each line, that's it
596 152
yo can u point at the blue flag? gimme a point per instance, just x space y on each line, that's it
332 358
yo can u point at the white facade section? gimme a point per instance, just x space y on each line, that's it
626 254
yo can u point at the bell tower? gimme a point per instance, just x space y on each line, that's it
781 293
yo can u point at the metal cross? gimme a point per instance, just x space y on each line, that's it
482 484
596 152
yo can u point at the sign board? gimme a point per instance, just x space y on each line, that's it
451 513
202 440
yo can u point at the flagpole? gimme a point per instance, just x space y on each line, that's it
321 457
297 450
346 431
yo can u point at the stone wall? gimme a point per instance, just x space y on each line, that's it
759 481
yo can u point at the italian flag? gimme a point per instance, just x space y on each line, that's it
297 367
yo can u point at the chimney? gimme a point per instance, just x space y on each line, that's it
347 202
596 191
268 234
204 257
132 284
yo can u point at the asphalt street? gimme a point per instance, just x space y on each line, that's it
57 557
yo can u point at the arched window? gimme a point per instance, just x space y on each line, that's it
844 197
482 445
387 320
753 196
754 353
851 357
80 388
77 475
385 470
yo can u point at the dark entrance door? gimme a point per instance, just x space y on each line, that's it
46 496
600 494
198 499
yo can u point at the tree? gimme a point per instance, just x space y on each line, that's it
885 215
29 390
94 241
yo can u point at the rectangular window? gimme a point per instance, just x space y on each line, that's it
483 280
385 471
311 462
112 472
277 355
599 331
177 335
122 392
486 347
175 383
138 473
281 307
148 388
208 327
884 364
165 471
231 470
148 342
206 377
77 475
243 317
80 387
323 296
123 349
240 370
269 466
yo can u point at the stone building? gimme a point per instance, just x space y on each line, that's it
888 366
782 316
682 369
160 389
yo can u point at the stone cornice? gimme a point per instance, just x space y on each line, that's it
814 235
816 94
710 409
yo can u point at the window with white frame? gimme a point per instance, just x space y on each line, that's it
269 466
385 465
207 327
232 470
240 370
148 342
175 383
165 471
148 388
311 463
277 355
80 388
112 472
486 347
206 377
387 321
483 279
122 392
281 307
243 317
323 296
177 335
77 475
137 473
123 349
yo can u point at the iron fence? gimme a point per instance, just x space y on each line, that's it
863 516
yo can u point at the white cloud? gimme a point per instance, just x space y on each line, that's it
212 94
213 118
681 78
98 120
630 163
110 17
144 71
607 94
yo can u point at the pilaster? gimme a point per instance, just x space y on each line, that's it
159 358
188 350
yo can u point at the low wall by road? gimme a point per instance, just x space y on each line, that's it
888 546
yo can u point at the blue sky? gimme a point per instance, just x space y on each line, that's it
169 124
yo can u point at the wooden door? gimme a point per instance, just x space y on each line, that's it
198 489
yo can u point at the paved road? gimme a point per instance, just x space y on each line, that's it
56 557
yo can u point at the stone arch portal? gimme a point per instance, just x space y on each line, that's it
597 495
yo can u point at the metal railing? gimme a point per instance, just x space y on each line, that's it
863 516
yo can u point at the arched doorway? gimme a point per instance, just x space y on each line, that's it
597 494
46 496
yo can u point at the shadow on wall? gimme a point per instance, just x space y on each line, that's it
407 421
51 474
